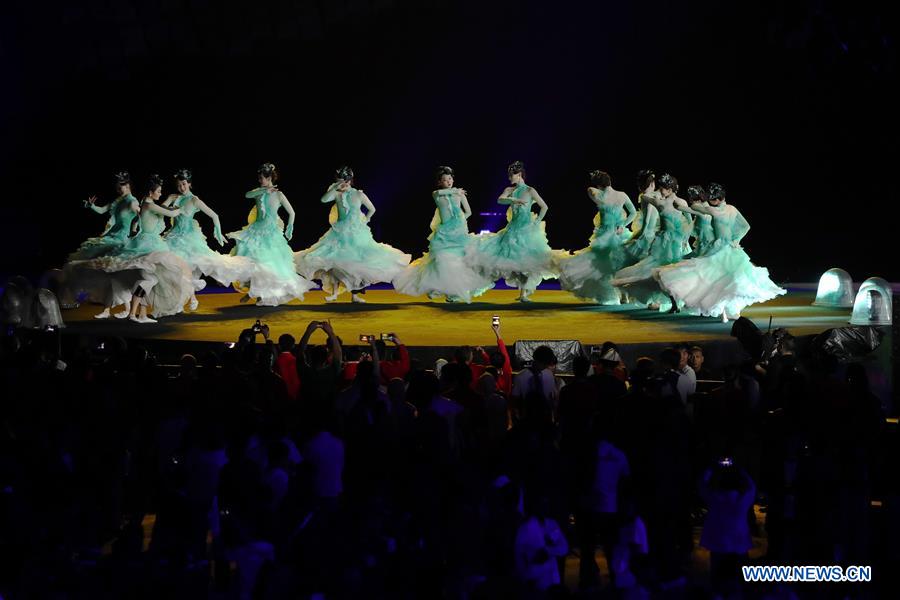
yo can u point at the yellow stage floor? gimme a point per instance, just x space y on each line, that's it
419 322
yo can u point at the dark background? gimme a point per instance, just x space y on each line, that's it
785 103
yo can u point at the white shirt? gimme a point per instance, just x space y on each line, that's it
687 382
523 382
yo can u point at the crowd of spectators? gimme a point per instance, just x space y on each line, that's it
300 468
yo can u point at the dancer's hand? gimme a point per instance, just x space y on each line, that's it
90 201
620 230
735 244
219 238
462 191
496 329
289 232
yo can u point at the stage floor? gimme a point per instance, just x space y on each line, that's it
554 314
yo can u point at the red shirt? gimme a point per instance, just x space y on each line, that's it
389 368
504 376
286 367
395 368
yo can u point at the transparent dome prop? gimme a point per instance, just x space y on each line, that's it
14 306
55 281
873 304
45 310
835 289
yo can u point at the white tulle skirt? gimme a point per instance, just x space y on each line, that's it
349 258
724 281
111 280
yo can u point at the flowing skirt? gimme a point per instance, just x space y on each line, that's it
638 280
724 281
444 269
348 257
272 279
518 253
111 280
588 273
191 245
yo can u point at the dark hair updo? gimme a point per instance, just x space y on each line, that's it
600 179
441 171
268 170
716 191
644 178
183 175
667 181
344 173
516 167
153 182
122 178
696 193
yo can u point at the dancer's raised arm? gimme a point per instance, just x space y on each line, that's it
505 198
289 228
370 208
91 203
630 210
696 209
161 210
217 226
740 228
331 193
542 206
464 205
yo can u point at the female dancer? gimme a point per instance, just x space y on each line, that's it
645 225
589 272
669 246
723 281
347 257
518 253
264 241
122 211
78 276
703 229
443 271
186 239
157 277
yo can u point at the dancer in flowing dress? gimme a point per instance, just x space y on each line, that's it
588 273
703 229
669 246
723 281
444 270
347 257
157 278
186 239
264 241
79 279
645 225
122 212
518 253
